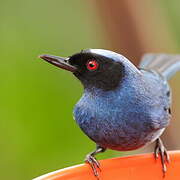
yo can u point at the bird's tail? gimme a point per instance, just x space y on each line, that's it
165 64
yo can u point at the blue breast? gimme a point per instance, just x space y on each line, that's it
129 116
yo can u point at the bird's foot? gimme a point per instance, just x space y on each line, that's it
161 150
93 162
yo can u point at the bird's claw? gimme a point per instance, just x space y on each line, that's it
161 150
92 161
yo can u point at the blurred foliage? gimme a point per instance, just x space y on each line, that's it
37 130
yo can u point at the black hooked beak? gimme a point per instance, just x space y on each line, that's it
59 62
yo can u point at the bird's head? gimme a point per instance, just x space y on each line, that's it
94 67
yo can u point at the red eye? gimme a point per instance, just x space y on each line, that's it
92 65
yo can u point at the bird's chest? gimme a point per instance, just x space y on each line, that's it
112 121
124 119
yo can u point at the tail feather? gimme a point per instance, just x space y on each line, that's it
165 64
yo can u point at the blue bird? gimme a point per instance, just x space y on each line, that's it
123 107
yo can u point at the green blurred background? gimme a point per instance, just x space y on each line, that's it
37 131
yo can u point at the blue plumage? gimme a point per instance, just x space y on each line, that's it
123 107
128 117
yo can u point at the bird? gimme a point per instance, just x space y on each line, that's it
123 107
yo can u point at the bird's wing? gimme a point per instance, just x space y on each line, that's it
165 64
